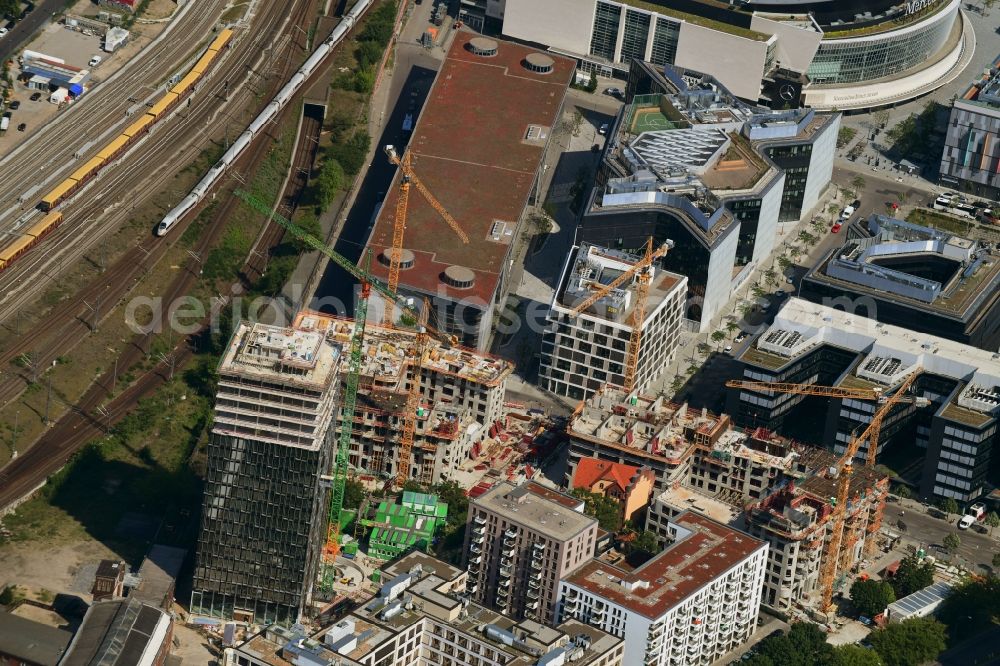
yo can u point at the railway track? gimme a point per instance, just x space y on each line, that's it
88 419
81 128
70 320
303 160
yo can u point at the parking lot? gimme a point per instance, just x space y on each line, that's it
76 48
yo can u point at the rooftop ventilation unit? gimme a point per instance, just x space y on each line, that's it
483 47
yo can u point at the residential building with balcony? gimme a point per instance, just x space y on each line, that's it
690 604
423 615
519 542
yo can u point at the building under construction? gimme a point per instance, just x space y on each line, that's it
776 489
583 349
264 514
461 395
796 521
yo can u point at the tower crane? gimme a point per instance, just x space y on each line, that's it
399 224
412 400
338 478
641 272
845 464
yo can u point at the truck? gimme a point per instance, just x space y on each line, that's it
973 514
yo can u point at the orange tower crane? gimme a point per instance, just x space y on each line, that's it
399 224
838 547
412 399
643 276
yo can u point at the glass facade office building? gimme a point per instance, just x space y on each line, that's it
867 58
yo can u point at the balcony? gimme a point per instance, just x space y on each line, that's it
533 584
509 533
479 520
478 559
504 582
506 570
474 548
532 604
532 594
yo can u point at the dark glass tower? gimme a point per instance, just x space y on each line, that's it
264 514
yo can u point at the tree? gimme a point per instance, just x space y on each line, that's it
912 575
328 182
643 546
948 505
855 655
871 597
992 520
804 645
310 225
902 492
352 153
413 486
972 608
718 337
592 83
910 642
453 494
607 511
354 493
858 183
951 543
784 263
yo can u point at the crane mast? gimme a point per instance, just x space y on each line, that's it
641 271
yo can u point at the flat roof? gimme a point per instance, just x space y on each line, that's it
477 146
932 595
887 354
854 267
685 498
548 512
32 642
158 573
286 355
589 267
387 351
679 571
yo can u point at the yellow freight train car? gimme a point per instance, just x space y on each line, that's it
87 170
160 108
26 240
58 193
139 127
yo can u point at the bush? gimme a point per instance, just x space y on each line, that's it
328 182
352 153
871 597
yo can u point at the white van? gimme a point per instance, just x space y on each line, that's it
848 211
95 61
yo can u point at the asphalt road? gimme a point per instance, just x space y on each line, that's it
415 70
23 30
930 531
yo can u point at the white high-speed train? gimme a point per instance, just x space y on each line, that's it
269 113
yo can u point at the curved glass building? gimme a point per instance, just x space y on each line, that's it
873 52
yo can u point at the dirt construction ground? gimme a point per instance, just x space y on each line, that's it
68 568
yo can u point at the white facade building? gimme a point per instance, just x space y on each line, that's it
691 604
581 352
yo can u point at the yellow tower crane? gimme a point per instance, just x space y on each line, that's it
399 224
412 399
643 275
845 463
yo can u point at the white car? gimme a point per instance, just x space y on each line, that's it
3 31
95 61
966 522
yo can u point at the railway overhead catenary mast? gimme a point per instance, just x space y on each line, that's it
643 275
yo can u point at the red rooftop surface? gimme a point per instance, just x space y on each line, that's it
591 470
477 146
565 500
676 573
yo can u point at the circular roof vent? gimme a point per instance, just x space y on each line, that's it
458 277
405 258
482 46
539 63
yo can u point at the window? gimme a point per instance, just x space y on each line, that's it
606 20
